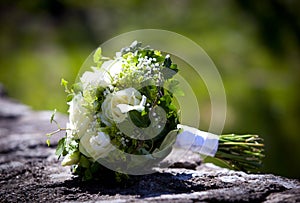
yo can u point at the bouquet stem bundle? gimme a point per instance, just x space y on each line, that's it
239 152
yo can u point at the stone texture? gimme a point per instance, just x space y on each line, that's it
29 171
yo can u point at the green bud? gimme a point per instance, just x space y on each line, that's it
71 159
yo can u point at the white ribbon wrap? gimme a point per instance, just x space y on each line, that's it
204 143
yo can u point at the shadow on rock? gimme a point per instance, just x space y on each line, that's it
151 185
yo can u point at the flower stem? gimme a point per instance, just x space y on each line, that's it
240 152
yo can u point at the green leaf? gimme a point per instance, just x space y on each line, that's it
88 174
168 73
70 97
48 142
52 116
95 167
84 162
167 62
98 55
138 119
174 67
77 87
64 83
60 146
144 113
218 162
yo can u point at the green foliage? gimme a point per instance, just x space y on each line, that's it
84 162
64 83
141 120
98 55
219 162
172 86
76 88
48 142
52 116
60 149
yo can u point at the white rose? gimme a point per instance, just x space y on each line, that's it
97 78
101 77
110 110
95 144
79 117
113 67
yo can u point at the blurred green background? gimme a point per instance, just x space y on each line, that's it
254 44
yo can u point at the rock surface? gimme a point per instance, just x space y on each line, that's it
29 171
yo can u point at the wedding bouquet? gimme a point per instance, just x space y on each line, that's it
123 119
